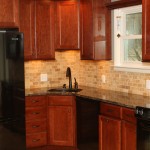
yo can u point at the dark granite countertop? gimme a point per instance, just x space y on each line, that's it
113 97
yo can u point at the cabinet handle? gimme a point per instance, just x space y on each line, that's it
35 101
35 140
35 126
36 113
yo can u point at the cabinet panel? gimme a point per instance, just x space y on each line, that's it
95 30
67 25
128 136
44 29
61 124
36 139
110 133
145 30
27 26
9 14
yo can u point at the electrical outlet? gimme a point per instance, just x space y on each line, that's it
103 78
148 84
43 77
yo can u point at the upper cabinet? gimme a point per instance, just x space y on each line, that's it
95 30
36 22
145 30
9 15
67 25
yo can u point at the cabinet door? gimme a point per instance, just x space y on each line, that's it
61 124
128 136
9 13
27 26
44 17
67 25
109 133
145 30
95 30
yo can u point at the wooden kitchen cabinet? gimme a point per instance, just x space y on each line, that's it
109 127
67 25
110 133
9 13
117 128
62 121
95 30
37 24
36 121
145 30
128 129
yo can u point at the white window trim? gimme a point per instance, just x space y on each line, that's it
118 65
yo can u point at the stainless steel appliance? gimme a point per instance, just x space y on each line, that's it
12 93
143 128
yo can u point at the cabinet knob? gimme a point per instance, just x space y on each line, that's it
35 140
36 113
35 101
35 126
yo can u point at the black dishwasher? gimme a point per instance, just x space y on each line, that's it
87 123
143 128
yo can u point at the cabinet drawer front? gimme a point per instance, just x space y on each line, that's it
36 139
128 115
32 101
61 100
35 113
110 110
36 126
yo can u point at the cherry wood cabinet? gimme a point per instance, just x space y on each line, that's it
128 129
110 133
36 121
62 121
67 25
117 128
145 30
37 24
9 13
95 30
109 127
27 26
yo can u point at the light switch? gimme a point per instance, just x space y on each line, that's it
148 84
43 77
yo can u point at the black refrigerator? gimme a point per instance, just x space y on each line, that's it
12 91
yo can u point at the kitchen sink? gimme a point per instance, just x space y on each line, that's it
64 90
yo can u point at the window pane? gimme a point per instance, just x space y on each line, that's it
132 50
134 23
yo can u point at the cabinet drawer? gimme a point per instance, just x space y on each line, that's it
36 126
61 100
32 101
110 110
35 113
128 115
36 139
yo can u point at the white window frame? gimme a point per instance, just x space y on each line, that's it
118 28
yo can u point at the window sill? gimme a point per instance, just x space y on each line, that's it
142 68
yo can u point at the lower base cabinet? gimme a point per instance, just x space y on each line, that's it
62 121
117 128
109 133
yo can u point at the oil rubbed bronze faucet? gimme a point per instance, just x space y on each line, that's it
68 74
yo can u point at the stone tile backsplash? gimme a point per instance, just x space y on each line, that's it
87 73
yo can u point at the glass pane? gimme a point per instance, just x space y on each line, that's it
134 23
132 50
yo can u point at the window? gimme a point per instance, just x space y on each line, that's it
128 38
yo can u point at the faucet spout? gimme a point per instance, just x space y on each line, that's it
68 74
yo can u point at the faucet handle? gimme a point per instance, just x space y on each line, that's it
75 84
64 86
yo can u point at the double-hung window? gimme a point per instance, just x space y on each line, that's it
127 35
